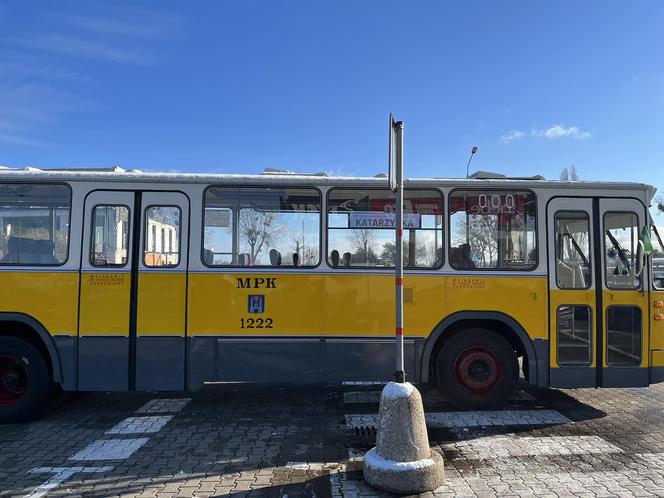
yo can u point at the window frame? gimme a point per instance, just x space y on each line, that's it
266 267
655 232
591 336
66 260
145 239
92 236
590 247
384 268
497 269
641 335
604 255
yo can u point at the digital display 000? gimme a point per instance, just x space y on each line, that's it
485 204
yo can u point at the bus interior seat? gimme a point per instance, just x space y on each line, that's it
208 256
460 257
244 259
571 275
347 258
439 257
296 259
334 258
29 251
275 257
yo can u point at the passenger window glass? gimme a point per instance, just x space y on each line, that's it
493 230
262 226
621 238
623 336
361 226
574 335
573 259
657 257
110 232
34 224
162 236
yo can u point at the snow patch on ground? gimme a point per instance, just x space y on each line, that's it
373 459
398 390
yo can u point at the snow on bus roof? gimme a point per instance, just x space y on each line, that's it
276 176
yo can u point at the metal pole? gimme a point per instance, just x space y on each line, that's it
398 263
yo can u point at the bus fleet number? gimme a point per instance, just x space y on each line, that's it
255 323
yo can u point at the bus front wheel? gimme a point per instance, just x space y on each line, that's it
477 369
24 381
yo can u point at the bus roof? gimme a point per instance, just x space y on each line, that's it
272 177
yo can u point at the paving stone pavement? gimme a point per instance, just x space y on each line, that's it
277 441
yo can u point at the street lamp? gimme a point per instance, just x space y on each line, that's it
472 153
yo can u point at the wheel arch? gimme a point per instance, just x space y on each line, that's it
28 328
508 327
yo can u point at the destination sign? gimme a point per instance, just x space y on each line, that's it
382 220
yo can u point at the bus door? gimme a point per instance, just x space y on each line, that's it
597 299
133 291
625 295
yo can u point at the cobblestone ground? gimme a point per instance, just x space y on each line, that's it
247 440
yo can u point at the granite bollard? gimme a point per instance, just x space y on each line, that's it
402 461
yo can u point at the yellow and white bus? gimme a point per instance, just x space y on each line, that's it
119 280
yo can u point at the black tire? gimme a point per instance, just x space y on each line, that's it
477 369
24 381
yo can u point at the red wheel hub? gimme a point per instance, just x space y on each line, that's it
13 380
477 369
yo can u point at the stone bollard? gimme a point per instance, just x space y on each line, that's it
402 461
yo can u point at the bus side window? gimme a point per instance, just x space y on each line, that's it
162 250
262 226
110 229
573 258
34 224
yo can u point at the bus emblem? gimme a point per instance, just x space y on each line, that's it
256 304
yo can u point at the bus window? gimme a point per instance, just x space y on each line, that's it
162 250
262 226
574 330
621 238
572 250
110 236
657 258
493 230
34 224
361 225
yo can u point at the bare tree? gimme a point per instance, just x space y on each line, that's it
660 203
481 232
569 174
361 239
257 228
389 254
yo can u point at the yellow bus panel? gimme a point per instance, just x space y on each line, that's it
50 297
105 304
161 304
355 304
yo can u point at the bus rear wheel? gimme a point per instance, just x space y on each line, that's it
24 381
477 369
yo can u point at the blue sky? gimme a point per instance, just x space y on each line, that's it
239 86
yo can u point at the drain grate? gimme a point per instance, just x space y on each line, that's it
369 430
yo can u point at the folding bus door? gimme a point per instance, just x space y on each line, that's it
624 295
105 294
133 291
597 293
572 293
162 292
